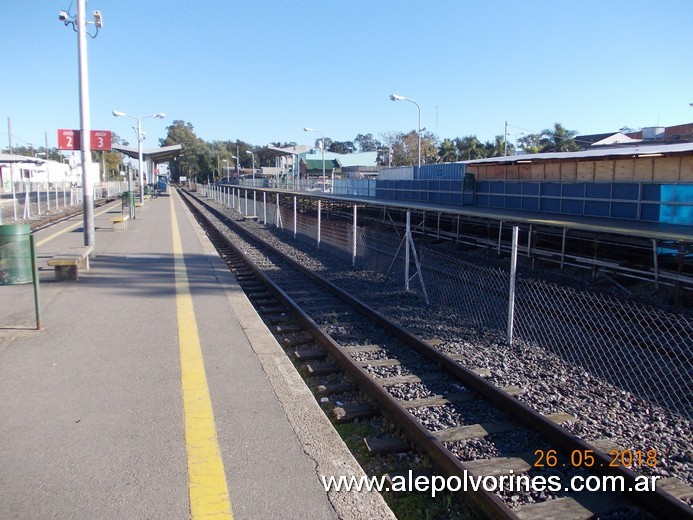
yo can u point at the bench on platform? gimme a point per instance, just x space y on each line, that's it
120 223
68 262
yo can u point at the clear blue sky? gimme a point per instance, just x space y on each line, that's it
260 71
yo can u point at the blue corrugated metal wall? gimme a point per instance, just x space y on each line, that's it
656 202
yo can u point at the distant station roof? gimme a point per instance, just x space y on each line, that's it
157 155
7 158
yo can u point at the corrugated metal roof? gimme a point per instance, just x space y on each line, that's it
316 164
14 158
620 151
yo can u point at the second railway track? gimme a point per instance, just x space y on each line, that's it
452 405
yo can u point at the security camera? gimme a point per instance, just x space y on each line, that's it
98 21
62 16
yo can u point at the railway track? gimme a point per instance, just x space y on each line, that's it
325 326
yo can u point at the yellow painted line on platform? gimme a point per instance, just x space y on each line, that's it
68 228
209 494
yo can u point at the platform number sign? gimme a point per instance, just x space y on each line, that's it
100 139
71 139
68 140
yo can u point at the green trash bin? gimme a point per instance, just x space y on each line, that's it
128 201
15 254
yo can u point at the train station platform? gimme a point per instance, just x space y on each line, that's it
155 391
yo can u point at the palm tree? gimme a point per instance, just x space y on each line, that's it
447 151
470 148
558 139
498 147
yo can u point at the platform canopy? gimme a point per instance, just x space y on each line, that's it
155 155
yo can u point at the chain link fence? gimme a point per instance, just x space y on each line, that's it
639 348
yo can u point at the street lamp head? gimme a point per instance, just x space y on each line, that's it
119 114
160 115
249 151
306 129
396 97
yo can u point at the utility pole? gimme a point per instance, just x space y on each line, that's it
9 132
505 140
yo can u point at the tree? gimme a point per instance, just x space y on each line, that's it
429 148
366 143
342 147
530 143
558 139
447 152
469 148
498 147
196 160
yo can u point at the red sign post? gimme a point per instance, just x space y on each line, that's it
71 139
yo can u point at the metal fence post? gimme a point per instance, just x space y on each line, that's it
511 295
319 220
353 255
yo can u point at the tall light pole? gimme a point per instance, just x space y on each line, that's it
236 158
322 148
397 97
251 153
79 23
140 138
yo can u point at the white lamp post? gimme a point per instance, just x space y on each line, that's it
251 153
140 138
225 162
397 97
322 148
236 159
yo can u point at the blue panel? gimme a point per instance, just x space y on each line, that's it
626 191
574 189
513 188
456 186
574 207
484 200
483 186
651 192
552 189
497 187
530 188
624 210
682 212
598 190
513 202
650 212
550 205
440 171
497 201
530 203
596 208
